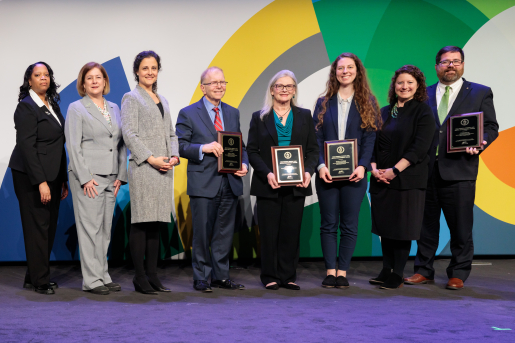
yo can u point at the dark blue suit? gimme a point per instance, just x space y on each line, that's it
213 195
340 201
452 184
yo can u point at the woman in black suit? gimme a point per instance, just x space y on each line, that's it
279 208
38 165
348 110
400 172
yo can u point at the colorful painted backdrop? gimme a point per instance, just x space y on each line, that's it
251 41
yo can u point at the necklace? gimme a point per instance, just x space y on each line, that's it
395 112
281 116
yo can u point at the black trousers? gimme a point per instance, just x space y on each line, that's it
456 200
213 230
39 224
279 221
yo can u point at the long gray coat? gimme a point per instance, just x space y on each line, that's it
146 133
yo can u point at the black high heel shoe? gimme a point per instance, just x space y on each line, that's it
159 288
140 289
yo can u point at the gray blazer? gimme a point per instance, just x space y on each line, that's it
94 147
148 133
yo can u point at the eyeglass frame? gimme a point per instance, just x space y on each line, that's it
284 87
216 83
449 63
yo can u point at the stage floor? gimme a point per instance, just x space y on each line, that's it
483 311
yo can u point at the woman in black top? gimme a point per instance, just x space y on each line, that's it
38 165
400 172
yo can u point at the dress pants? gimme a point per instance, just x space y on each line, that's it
93 220
340 202
213 226
39 224
279 221
456 200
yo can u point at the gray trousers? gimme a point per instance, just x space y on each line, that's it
93 219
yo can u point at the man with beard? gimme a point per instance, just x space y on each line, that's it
452 176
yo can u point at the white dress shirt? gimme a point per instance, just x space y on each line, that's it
40 103
453 92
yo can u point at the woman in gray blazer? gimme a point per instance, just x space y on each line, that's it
149 134
97 169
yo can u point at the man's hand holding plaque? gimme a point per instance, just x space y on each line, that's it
229 160
465 133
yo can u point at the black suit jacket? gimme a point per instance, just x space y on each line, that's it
39 150
263 136
412 140
473 97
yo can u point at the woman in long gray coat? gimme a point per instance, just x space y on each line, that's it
97 169
149 134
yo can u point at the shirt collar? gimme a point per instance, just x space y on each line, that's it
340 99
210 106
454 86
36 98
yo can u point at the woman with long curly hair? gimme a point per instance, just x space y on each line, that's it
38 165
400 172
347 110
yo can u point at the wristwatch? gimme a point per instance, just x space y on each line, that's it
395 170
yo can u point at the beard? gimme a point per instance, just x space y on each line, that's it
443 75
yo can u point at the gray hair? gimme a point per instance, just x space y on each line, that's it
269 101
208 70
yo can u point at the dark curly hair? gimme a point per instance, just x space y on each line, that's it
137 62
53 97
420 94
366 101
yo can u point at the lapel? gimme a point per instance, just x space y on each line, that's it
225 117
431 92
43 109
352 118
464 92
332 112
296 131
151 105
204 116
95 113
270 126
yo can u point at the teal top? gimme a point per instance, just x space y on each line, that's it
284 131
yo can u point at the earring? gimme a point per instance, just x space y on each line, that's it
294 97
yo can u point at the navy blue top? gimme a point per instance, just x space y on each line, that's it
284 131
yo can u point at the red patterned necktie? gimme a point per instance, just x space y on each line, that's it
218 121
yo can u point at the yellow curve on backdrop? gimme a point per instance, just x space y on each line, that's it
249 51
494 196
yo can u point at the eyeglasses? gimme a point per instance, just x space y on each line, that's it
216 83
279 87
455 63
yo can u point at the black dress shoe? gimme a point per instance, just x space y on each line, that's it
113 287
381 278
159 287
29 285
226 284
291 286
201 285
273 287
341 282
394 281
44 289
100 290
145 289
329 281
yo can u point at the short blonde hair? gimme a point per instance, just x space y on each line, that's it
82 75
208 70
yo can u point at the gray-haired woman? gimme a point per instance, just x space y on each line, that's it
279 209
